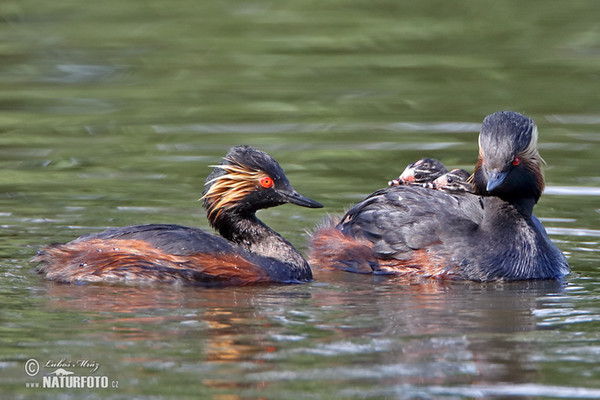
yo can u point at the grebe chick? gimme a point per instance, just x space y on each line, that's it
492 235
247 251
455 180
420 172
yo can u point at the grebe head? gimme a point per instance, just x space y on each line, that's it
248 180
509 164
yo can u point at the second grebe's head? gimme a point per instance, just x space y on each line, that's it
248 180
509 164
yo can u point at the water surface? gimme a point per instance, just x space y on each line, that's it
111 113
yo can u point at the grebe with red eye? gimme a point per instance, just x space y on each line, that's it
490 235
247 251
266 182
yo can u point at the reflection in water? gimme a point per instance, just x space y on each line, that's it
226 327
447 329
402 332
156 313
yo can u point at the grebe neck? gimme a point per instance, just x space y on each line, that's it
525 206
526 251
247 231
496 210
492 206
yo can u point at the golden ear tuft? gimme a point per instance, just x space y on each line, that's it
229 189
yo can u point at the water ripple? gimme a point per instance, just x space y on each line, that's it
281 128
512 390
437 369
477 391
572 190
573 231
572 119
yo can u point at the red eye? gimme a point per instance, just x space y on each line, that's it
516 161
266 182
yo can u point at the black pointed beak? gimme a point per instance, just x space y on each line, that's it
296 198
495 179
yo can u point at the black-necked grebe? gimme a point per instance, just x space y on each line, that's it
491 235
248 251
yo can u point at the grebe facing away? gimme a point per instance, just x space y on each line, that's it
490 235
248 251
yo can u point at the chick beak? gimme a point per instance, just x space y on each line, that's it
408 175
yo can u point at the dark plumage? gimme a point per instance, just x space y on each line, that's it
411 230
248 251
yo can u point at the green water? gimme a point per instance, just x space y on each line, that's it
111 113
